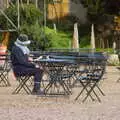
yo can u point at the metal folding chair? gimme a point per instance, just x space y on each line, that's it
56 80
5 67
25 82
57 73
89 81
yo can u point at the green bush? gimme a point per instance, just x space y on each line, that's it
58 39
45 38
37 34
108 50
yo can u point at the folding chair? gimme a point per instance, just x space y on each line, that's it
90 81
5 67
23 83
57 84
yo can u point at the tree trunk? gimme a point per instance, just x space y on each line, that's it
36 3
28 1
7 3
1 4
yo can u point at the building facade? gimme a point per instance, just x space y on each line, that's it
60 8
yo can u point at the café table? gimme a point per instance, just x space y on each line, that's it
58 70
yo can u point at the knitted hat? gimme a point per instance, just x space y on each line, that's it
23 40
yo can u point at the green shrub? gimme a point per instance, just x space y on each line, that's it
108 50
45 38
58 39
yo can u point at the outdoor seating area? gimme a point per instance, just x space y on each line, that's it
59 59
57 105
63 72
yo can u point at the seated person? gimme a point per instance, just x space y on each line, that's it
21 64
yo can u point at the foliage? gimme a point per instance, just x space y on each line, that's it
45 38
13 37
97 14
84 35
108 50
112 7
65 24
37 35
97 10
28 14
85 41
42 38
30 21
101 6
58 39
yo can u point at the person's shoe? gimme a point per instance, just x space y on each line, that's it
40 92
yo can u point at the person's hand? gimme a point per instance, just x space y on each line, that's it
37 66
37 59
30 59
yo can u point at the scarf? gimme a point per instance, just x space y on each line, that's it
24 49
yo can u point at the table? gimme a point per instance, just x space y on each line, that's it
58 70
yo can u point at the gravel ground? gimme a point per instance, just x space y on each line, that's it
30 107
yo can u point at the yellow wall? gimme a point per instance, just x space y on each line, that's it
117 23
58 10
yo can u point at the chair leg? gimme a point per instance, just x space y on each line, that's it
82 83
92 90
22 84
84 87
67 88
48 87
4 79
100 90
64 88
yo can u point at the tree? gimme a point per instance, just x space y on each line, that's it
112 7
29 16
101 6
101 12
